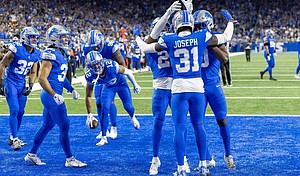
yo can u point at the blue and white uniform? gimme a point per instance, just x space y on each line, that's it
270 42
186 56
54 114
15 80
162 82
136 57
215 96
113 83
298 46
109 49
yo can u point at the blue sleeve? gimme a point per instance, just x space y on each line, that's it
68 86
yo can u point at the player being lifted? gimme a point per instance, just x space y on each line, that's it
108 50
21 59
213 91
186 50
110 74
52 78
269 53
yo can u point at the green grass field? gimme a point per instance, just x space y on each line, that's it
249 95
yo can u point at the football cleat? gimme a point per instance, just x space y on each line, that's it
261 75
296 76
10 141
210 163
229 162
155 164
181 173
186 165
273 79
100 134
16 145
113 132
135 122
72 162
103 141
204 171
33 159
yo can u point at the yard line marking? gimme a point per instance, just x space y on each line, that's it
150 98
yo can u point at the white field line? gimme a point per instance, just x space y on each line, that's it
230 98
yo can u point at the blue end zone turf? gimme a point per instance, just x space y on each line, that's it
261 145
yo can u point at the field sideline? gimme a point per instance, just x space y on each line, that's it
249 95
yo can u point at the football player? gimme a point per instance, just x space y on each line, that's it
298 67
269 53
162 81
109 73
186 50
21 59
136 56
52 78
213 91
108 50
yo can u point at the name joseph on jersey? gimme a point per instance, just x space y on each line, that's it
185 43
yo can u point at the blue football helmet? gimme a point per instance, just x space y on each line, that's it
95 39
204 19
30 36
94 62
182 19
269 33
58 36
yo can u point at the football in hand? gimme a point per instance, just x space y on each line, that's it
94 124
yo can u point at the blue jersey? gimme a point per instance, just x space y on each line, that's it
111 77
136 51
160 64
210 68
23 61
122 47
59 68
271 44
298 43
107 52
186 56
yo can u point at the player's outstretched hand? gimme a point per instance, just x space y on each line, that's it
75 94
176 6
137 89
188 5
58 99
227 15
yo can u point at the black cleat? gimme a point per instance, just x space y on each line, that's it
273 79
261 75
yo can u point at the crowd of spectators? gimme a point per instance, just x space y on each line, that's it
80 16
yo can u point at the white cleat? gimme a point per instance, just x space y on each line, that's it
210 163
155 164
103 141
296 76
113 132
187 167
33 159
229 162
100 134
72 162
135 123
16 145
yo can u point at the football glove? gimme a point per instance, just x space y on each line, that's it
89 120
75 94
188 5
59 99
275 54
176 6
137 89
227 15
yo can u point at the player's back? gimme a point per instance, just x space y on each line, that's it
160 64
59 68
22 63
271 44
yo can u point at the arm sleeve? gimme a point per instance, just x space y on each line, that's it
130 76
67 85
227 35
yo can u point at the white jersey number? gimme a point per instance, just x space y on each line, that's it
185 60
206 60
61 77
24 67
163 59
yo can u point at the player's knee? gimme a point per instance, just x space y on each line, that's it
13 113
222 122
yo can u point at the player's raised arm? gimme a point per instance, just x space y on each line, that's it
227 34
148 48
137 88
